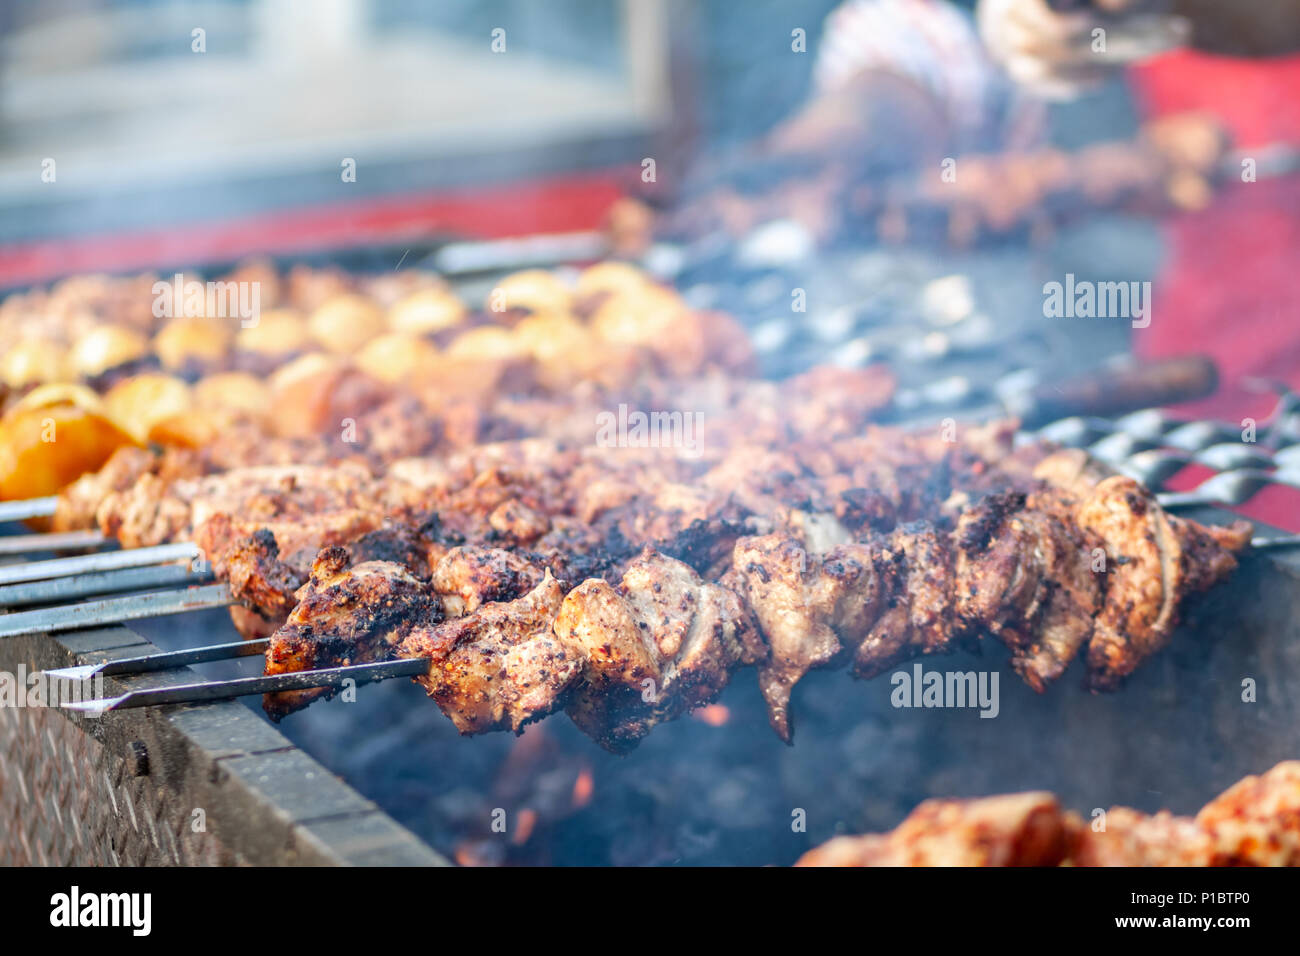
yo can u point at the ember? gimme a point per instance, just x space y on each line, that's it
715 715
582 788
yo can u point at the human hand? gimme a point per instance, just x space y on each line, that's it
1057 48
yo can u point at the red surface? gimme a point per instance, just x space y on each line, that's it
1231 282
554 205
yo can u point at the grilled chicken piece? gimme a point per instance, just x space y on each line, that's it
346 615
266 585
500 666
920 618
660 643
1023 829
1255 822
79 502
1138 839
468 577
263 584
153 510
802 603
1028 577
1149 572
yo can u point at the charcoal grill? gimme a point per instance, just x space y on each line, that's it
215 783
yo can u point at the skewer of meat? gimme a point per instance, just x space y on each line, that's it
1021 575
261 527
1255 822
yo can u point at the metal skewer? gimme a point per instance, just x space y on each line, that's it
62 590
101 561
55 541
28 508
161 662
296 680
114 610
247 686
1227 488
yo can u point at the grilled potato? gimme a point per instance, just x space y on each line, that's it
105 347
32 362
192 429
428 310
142 401
533 290
232 395
549 335
51 438
395 357
314 394
344 323
487 342
610 277
182 341
278 332
637 317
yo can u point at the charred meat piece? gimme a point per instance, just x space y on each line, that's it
346 615
1149 572
802 603
468 577
660 643
500 666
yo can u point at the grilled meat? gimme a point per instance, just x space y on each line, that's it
1256 822
649 638
500 666
1154 560
1023 829
658 644
785 531
619 658
347 615
1030 578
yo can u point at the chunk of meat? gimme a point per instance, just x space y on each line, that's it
1256 821
346 615
660 643
1023 829
1149 572
467 577
802 603
500 666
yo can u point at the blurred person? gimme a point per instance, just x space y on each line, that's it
1229 285
901 84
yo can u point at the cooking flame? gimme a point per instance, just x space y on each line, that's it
583 787
715 715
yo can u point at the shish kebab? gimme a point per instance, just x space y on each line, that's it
268 583
1255 822
1009 560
